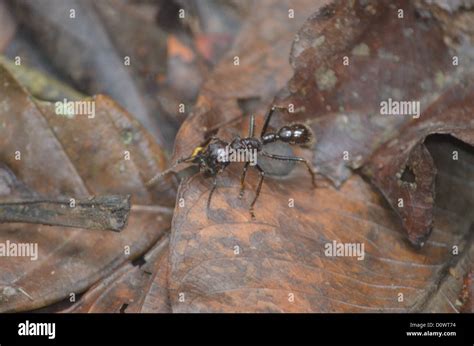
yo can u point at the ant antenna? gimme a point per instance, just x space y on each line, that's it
160 175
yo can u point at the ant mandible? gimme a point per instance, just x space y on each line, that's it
209 160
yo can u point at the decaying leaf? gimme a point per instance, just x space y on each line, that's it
279 263
403 168
94 64
56 155
40 85
137 287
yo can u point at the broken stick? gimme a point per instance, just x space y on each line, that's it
102 212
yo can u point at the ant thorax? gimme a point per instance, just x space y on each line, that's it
219 154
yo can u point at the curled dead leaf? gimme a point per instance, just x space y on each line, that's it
403 169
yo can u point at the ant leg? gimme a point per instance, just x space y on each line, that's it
268 117
259 187
214 186
251 126
242 179
292 158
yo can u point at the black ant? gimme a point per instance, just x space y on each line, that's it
209 157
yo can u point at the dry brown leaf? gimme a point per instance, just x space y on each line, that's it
75 157
403 168
137 287
99 65
281 256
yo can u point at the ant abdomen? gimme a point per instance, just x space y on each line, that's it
292 134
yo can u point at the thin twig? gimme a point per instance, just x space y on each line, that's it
102 213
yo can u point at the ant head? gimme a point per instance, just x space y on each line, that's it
197 154
199 157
